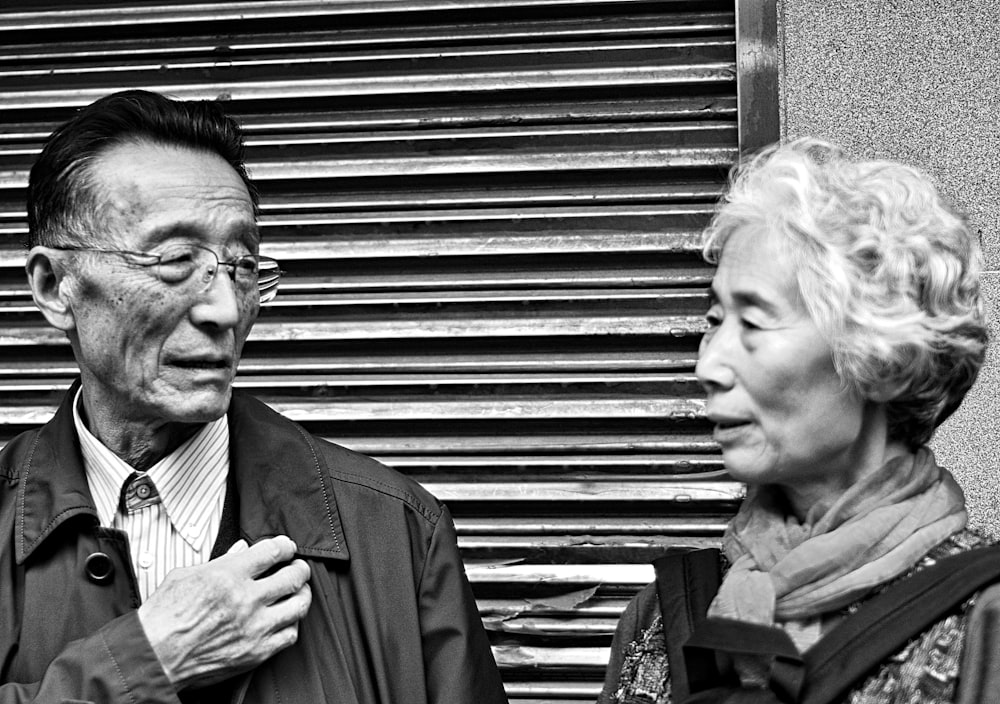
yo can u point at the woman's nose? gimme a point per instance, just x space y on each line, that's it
714 368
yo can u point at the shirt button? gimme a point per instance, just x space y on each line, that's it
145 560
191 533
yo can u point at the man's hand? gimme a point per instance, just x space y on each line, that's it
212 621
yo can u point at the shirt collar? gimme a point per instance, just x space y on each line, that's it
53 489
189 480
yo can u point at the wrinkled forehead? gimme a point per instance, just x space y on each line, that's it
759 241
757 264
213 228
154 193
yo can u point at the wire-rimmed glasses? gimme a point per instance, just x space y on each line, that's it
195 266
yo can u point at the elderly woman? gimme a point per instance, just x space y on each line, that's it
845 325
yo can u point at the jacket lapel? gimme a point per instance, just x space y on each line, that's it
282 482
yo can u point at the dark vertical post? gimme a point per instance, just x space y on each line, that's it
757 73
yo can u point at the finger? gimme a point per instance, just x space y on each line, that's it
239 546
291 610
263 556
283 638
285 581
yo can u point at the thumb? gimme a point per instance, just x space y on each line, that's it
239 546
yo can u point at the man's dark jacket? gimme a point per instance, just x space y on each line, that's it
392 618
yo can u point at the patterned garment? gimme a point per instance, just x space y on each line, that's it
645 677
925 671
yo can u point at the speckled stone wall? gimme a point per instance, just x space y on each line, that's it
916 81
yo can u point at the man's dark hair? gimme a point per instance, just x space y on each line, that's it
63 200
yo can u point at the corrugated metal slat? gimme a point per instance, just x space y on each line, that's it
489 211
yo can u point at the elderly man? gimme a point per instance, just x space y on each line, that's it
165 538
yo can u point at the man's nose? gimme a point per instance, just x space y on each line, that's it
714 368
219 304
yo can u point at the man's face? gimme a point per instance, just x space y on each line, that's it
150 352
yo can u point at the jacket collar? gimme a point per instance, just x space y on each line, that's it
282 481
53 485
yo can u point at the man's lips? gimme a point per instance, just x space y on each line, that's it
201 363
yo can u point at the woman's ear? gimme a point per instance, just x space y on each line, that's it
886 390
49 286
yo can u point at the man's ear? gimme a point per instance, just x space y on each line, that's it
50 286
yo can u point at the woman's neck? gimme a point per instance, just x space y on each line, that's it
872 451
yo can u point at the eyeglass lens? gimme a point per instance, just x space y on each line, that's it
180 264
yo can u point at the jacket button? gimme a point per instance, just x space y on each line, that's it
100 569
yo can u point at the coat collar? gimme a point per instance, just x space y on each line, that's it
282 481
53 485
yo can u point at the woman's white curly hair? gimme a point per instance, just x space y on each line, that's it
888 271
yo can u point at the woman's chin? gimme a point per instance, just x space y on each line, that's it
747 466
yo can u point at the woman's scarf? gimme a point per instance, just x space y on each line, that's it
791 573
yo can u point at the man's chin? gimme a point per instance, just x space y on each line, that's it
199 406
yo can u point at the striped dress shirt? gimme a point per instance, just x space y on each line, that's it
180 529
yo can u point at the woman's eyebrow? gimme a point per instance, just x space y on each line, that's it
744 299
753 299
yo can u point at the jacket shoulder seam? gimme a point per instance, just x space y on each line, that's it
431 515
11 468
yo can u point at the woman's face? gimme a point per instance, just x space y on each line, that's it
781 413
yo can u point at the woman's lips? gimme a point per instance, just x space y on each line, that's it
730 431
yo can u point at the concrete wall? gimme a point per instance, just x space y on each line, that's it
916 81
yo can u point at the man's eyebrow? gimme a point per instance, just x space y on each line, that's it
170 231
251 235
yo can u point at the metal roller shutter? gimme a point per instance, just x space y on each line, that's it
489 211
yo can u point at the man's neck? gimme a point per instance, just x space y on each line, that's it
140 444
